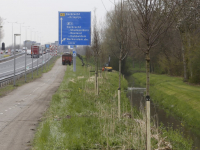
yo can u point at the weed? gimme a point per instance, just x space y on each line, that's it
78 119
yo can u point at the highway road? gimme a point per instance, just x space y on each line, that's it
7 67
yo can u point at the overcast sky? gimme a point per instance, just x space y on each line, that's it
42 17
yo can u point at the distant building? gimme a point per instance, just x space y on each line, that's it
29 43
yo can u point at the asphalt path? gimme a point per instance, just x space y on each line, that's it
7 67
21 110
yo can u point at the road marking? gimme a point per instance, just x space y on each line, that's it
18 68
5 110
1 113
10 108
11 60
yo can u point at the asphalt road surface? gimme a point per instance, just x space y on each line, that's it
7 67
21 110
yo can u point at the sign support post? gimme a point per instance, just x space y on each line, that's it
74 59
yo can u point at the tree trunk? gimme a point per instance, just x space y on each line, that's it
96 75
189 46
148 125
147 72
119 89
184 64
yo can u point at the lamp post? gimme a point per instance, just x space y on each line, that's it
32 60
12 31
20 33
25 57
42 59
48 59
32 52
45 58
14 56
37 60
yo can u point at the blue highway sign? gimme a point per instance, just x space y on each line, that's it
47 45
74 28
74 53
72 46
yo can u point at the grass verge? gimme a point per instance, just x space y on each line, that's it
177 97
78 119
8 88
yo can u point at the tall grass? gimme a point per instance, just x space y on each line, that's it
78 119
177 97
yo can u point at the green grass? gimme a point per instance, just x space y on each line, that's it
6 56
176 96
138 67
77 119
8 88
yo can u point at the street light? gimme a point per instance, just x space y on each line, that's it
14 56
12 32
20 33
32 60
25 57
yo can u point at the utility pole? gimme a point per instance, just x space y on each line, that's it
14 57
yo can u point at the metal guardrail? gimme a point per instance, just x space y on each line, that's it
7 58
10 78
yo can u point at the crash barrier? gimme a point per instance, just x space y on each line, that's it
10 57
10 78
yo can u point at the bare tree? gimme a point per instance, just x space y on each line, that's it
153 17
1 30
119 21
96 47
188 27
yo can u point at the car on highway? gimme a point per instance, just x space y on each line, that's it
6 51
28 52
19 50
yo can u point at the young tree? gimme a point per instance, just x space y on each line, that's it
96 47
188 27
153 17
119 36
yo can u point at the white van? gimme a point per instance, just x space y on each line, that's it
28 52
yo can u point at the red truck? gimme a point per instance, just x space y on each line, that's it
66 58
35 51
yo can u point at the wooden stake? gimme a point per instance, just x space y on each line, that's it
89 73
119 96
148 126
97 86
